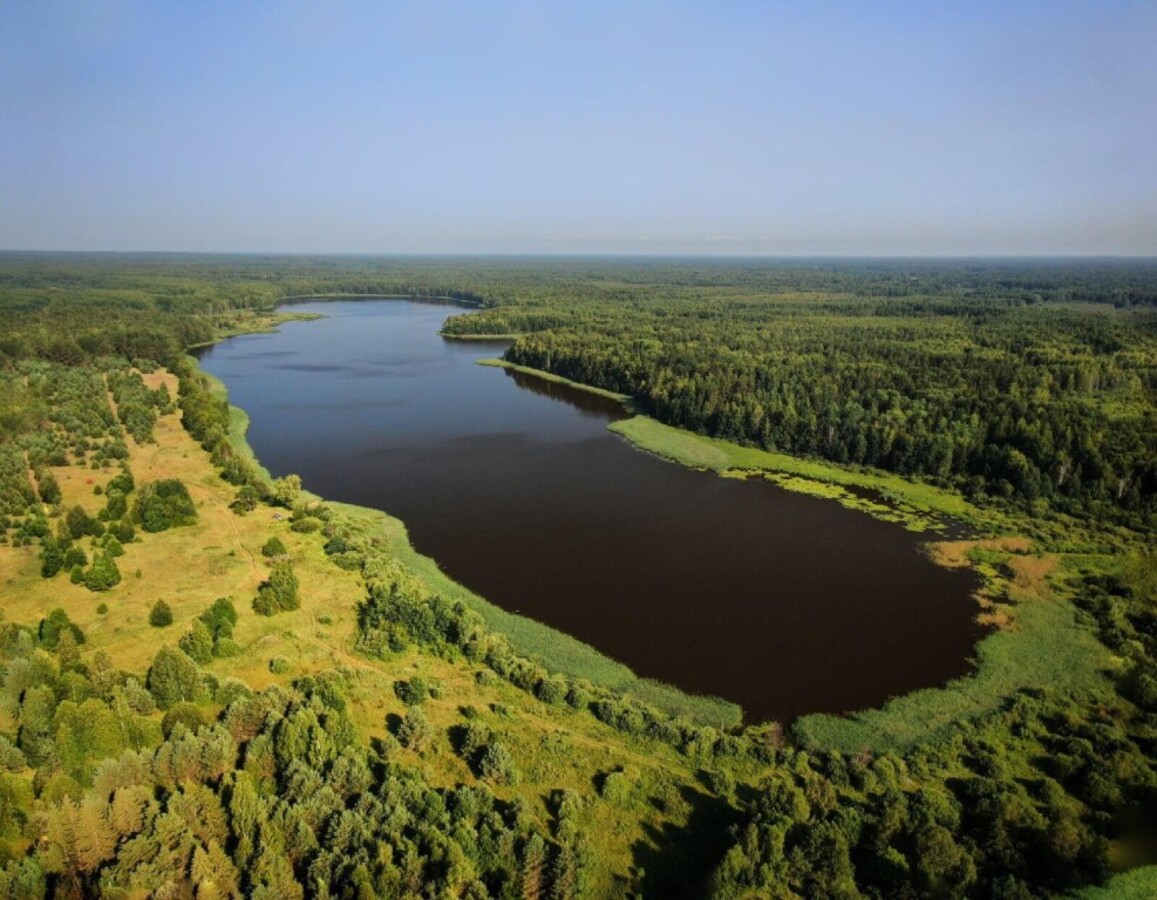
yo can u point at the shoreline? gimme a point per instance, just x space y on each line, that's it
1042 648
557 650
1035 646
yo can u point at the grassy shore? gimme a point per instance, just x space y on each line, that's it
557 651
914 504
1036 641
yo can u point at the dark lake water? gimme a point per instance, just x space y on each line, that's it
783 603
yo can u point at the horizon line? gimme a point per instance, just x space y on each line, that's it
610 254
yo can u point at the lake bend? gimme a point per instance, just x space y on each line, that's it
784 603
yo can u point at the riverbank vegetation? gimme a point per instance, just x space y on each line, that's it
386 733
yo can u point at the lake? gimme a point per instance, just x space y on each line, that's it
783 603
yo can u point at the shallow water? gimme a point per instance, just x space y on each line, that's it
783 603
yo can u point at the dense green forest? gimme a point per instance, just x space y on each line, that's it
1026 380
1028 387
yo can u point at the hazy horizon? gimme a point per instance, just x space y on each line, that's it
531 255
760 130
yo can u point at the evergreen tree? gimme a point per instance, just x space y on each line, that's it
51 558
160 615
173 677
197 642
104 573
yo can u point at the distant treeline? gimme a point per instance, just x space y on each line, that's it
1034 404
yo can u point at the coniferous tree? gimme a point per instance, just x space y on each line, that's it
160 615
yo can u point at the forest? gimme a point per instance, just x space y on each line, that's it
215 684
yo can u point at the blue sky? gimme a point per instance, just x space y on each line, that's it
774 128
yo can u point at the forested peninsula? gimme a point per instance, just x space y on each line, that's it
218 684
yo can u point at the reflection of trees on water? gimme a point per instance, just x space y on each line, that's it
585 402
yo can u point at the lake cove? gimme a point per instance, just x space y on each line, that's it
784 603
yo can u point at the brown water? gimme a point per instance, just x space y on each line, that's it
783 603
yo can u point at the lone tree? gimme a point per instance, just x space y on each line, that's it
160 615
274 548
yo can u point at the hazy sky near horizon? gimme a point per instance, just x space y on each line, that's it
782 128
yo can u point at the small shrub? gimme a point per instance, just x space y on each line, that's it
412 692
497 765
123 482
11 759
51 559
264 604
552 690
161 615
138 698
174 677
578 697
274 548
230 690
279 592
718 781
104 574
246 500
471 740
279 665
189 715
220 618
225 648
615 788
54 625
122 530
415 731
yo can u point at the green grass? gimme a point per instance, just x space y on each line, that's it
908 502
1047 649
1139 884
